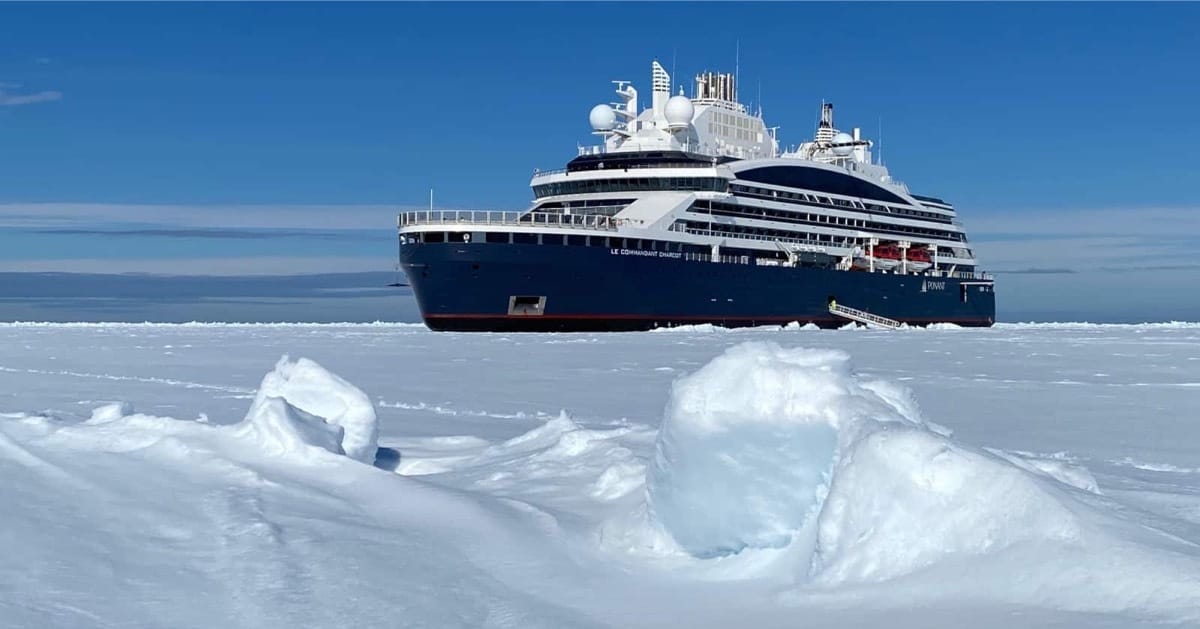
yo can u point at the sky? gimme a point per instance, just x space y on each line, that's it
227 139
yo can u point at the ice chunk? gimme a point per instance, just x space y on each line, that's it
700 327
619 479
767 447
308 387
282 429
110 412
748 442
542 436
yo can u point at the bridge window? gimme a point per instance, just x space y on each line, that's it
819 179
592 186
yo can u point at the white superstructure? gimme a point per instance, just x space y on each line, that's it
711 122
705 172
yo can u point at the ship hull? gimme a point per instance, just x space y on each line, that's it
473 287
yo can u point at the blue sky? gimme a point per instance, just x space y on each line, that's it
1065 133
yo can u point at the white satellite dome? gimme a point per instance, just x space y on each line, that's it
602 118
679 111
842 144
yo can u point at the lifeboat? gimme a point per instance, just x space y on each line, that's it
884 257
919 260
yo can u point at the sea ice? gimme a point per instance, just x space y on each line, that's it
785 484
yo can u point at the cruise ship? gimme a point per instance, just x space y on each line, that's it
688 212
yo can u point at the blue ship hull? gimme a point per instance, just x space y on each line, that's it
471 287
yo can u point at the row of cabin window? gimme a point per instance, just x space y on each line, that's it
590 186
760 232
602 210
727 131
737 121
610 242
576 240
726 209
840 204
579 206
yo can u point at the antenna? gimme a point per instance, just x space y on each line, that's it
760 98
881 141
431 199
737 69
674 53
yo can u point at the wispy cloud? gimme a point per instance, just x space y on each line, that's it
1038 271
9 98
228 266
323 238
295 217
1153 267
1106 239
1086 222
225 234
1024 243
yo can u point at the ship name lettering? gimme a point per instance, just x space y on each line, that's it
641 252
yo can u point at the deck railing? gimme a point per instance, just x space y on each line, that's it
721 259
465 219
539 174
943 261
468 218
798 241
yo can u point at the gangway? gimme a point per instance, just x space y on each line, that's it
862 316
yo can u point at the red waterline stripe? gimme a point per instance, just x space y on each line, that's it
672 318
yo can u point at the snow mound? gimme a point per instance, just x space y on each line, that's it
279 428
552 461
767 448
110 412
903 499
699 327
300 402
1058 467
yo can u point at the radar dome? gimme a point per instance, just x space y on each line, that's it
679 111
842 144
603 118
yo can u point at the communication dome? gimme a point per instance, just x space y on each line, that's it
602 118
679 111
844 140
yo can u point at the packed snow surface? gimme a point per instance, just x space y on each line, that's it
1027 475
